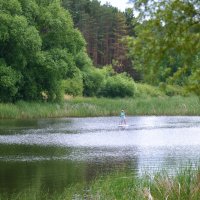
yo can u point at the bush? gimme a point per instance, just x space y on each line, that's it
74 86
83 61
172 90
148 90
9 82
118 86
92 80
194 79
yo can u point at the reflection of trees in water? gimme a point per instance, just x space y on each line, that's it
13 126
48 176
109 166
51 175
37 168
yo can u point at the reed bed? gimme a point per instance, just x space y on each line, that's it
90 107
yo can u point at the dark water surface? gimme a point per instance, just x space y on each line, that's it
52 154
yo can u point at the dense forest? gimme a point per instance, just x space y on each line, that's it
79 47
103 28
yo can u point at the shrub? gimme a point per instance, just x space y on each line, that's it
148 90
194 82
74 86
172 90
9 82
92 80
83 61
118 86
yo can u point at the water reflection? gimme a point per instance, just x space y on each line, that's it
55 153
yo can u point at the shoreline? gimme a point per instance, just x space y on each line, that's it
121 185
99 107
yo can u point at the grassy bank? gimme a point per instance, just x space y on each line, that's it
183 186
88 107
125 186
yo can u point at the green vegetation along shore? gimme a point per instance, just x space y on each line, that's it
91 107
183 185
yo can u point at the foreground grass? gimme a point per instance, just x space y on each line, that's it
185 185
90 107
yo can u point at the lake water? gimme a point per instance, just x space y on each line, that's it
52 154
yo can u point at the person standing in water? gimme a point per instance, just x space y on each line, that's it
123 117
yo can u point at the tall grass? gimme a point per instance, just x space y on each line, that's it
185 185
90 107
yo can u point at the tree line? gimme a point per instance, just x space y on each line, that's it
39 47
166 46
103 27
43 56
50 47
156 42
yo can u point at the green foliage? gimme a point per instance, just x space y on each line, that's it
121 185
11 6
19 41
74 85
39 47
194 78
107 83
194 82
100 25
90 107
30 10
108 71
9 82
56 28
172 90
83 61
166 43
118 86
92 79
144 90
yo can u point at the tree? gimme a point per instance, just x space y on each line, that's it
165 46
9 82
104 33
19 44
38 49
